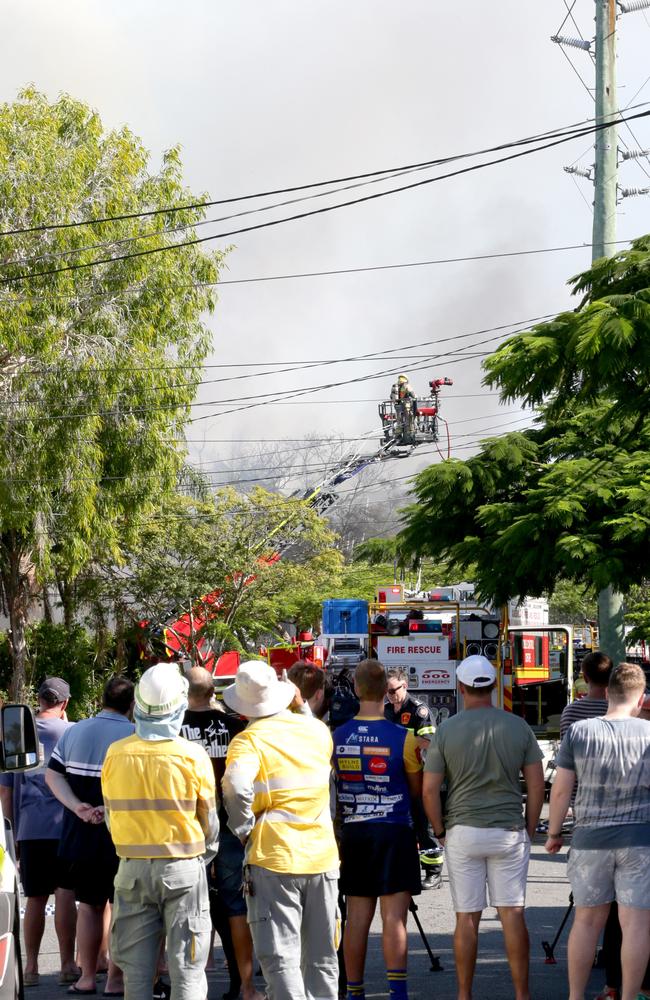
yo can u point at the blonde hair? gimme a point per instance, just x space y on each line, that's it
370 680
626 682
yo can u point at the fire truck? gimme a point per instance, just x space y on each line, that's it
428 634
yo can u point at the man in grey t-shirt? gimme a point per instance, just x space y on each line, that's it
482 753
610 852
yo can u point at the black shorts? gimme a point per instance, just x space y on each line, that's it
229 873
378 859
91 880
41 870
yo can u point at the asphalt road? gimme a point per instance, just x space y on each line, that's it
548 894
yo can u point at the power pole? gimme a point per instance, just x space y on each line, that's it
606 161
604 176
611 618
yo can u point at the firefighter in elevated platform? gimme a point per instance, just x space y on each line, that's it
403 397
406 711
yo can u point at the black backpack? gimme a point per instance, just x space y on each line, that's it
344 704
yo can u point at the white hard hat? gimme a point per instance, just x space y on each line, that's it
161 689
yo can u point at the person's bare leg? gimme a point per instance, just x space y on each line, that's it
104 949
635 949
90 927
209 965
243 945
114 977
361 910
394 939
34 927
515 935
465 950
65 925
587 925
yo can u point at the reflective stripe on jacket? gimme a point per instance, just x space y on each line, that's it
160 799
276 788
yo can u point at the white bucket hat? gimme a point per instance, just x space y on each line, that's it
257 692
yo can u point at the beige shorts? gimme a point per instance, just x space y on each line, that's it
480 858
600 876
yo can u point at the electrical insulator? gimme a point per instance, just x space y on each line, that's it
634 154
581 172
633 192
629 8
575 43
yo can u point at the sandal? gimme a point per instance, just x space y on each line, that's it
65 978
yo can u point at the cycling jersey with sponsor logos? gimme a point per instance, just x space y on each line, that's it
371 760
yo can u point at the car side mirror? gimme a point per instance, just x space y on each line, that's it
19 744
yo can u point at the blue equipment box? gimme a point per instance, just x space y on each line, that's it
345 617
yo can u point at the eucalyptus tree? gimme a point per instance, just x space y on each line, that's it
99 362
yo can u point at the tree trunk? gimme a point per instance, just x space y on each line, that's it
47 607
16 584
120 642
66 590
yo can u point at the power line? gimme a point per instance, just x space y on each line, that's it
306 444
453 357
13 300
568 15
307 391
313 212
314 467
170 210
121 241
263 399
379 355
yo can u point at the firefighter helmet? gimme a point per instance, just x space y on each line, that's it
402 378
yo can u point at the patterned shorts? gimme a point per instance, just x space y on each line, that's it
601 876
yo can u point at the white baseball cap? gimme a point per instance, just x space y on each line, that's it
257 692
476 671
161 689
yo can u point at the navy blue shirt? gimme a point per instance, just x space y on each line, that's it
79 755
371 760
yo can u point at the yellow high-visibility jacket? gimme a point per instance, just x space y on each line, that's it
276 788
159 797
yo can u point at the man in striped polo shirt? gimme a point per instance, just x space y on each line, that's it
73 775
159 795
596 668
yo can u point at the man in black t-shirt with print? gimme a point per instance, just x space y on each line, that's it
207 723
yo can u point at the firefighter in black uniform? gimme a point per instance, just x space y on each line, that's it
412 714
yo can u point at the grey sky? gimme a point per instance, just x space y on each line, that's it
266 93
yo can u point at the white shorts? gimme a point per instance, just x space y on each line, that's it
480 856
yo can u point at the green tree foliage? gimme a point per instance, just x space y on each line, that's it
98 365
637 615
572 603
569 499
56 651
228 542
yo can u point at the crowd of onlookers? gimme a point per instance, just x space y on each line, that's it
169 816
